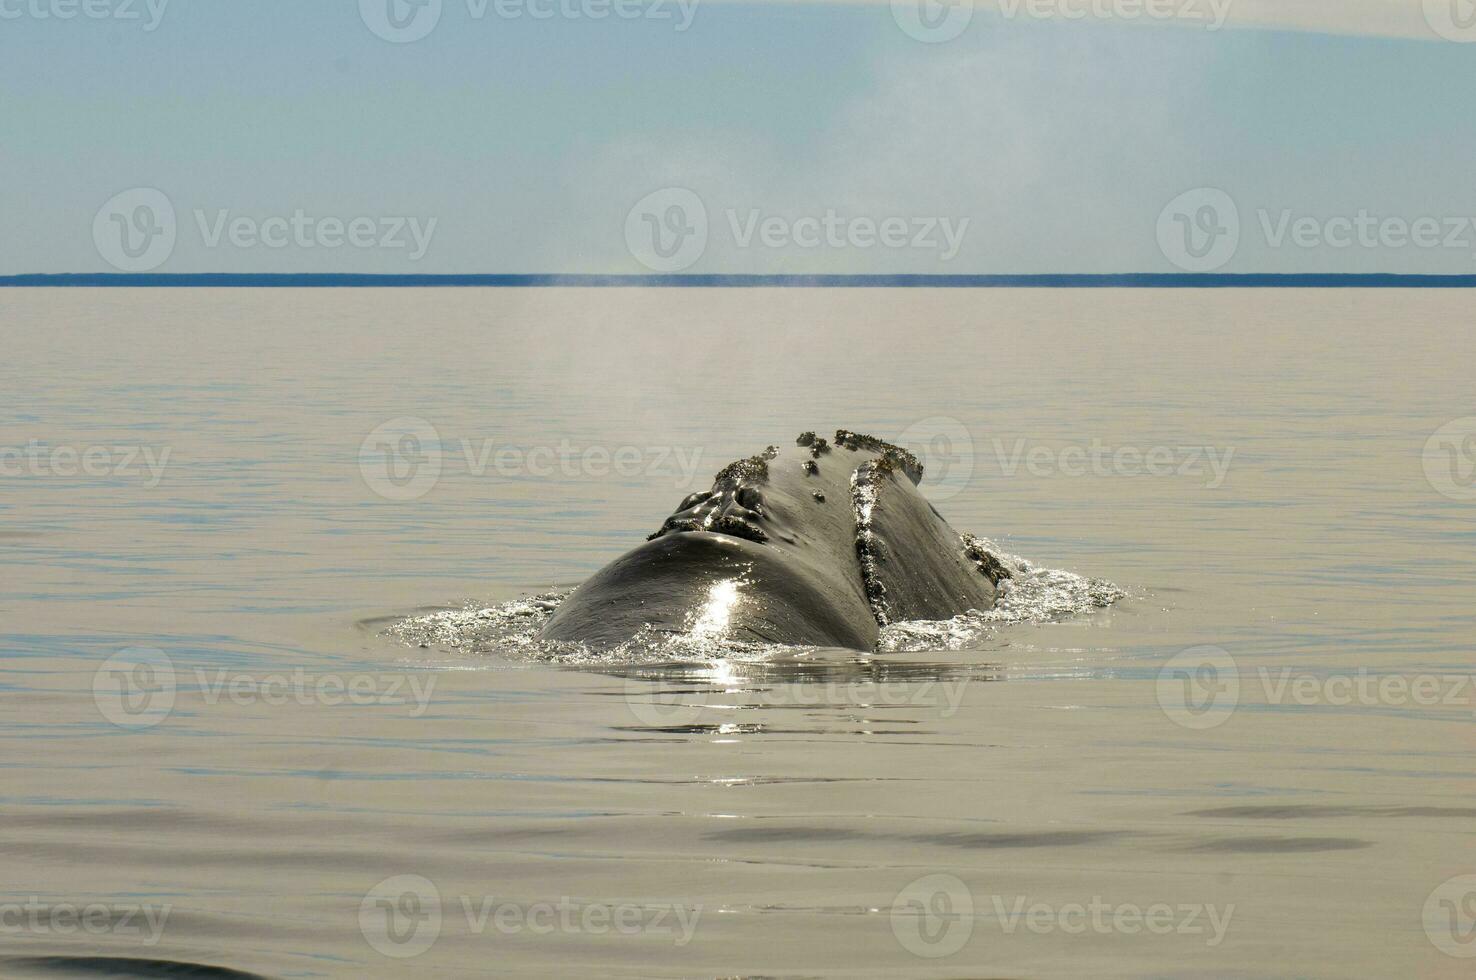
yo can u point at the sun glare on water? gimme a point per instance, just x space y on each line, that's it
713 619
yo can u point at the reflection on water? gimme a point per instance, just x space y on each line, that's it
297 794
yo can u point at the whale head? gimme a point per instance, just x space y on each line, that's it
818 543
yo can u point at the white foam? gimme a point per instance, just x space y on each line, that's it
511 629
1030 594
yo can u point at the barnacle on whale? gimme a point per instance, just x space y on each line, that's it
905 460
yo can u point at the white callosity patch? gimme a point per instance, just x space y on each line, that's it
1027 594
868 551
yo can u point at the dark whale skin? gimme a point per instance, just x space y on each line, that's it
783 528
662 582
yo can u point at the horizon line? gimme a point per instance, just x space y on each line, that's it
1163 280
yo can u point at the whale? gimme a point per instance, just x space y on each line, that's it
819 543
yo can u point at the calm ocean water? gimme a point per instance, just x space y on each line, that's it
1258 764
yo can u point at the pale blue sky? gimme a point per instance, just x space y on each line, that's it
528 142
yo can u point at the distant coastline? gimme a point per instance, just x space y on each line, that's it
1131 280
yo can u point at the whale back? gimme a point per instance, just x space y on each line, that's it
818 543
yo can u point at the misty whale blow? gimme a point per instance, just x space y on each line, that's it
816 544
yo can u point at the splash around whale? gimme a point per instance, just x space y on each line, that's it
821 543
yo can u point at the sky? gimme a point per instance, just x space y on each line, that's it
714 136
